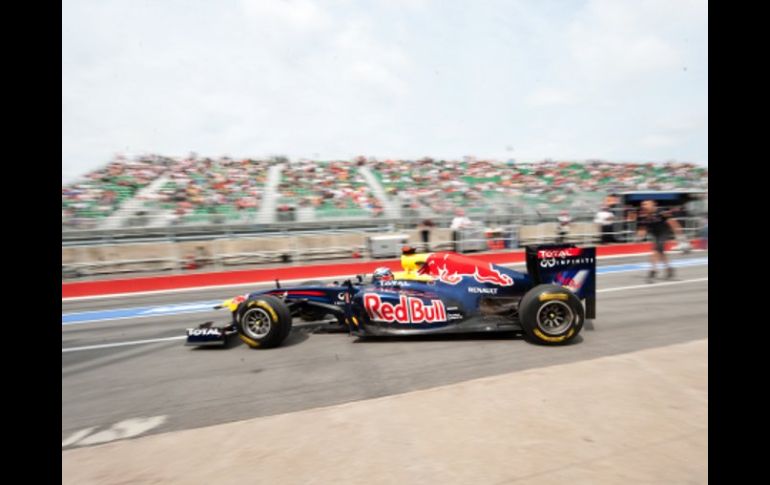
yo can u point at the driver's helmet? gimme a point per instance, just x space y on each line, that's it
382 274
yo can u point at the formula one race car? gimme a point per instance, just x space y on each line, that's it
436 293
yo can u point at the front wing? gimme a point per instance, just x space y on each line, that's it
207 334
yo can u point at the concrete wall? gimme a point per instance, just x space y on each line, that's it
140 256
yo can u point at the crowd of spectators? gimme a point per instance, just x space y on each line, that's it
99 193
443 186
196 187
332 189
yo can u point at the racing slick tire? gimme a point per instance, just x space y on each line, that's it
551 315
264 322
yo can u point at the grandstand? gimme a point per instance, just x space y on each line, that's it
100 193
327 190
157 191
207 191
430 187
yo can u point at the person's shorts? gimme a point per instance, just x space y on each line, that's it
659 243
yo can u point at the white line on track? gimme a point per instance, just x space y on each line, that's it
651 285
123 344
240 285
167 339
181 307
125 429
77 436
135 317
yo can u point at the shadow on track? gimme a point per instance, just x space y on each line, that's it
480 336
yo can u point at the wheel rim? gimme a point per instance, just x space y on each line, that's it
555 317
256 323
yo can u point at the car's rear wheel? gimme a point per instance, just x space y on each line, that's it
264 322
551 314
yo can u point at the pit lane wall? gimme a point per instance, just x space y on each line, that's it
237 252
286 272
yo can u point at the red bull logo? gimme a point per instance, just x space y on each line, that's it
572 283
450 269
407 310
564 280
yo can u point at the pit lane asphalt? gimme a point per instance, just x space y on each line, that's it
199 387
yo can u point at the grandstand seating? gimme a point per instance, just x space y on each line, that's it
331 189
203 190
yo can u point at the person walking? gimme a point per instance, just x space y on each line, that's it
659 225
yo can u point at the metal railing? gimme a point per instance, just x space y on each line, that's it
214 231
205 232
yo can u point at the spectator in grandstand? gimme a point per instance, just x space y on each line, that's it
605 218
657 223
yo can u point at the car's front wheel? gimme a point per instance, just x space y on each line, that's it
264 322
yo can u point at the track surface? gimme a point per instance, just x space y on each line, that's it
181 387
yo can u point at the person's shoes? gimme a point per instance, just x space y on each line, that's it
669 273
651 276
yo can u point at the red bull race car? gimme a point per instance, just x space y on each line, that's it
436 293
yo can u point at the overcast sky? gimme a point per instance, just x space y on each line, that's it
618 80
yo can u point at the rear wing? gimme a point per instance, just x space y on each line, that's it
565 265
